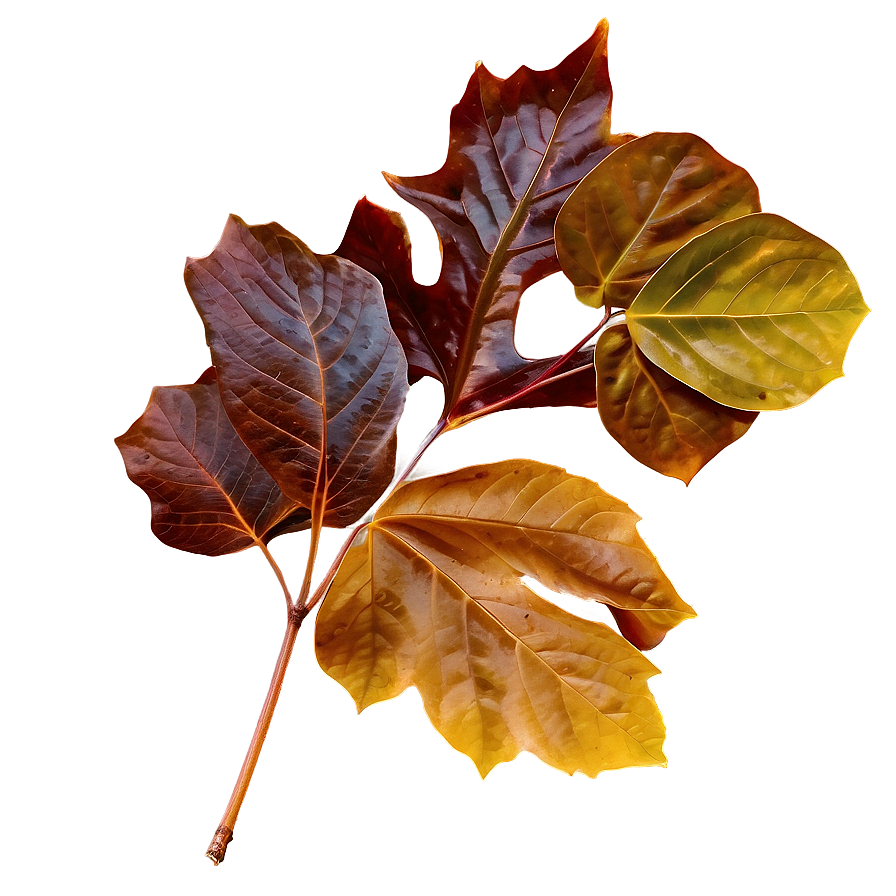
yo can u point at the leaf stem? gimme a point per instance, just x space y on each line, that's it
296 614
321 589
279 573
539 381
431 436
301 603
224 833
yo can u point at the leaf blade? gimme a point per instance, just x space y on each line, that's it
561 529
499 669
757 314
208 493
434 598
517 148
639 206
657 419
310 372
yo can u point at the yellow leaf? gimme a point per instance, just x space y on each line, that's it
433 598
757 314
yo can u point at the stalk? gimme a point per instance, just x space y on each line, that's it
321 589
224 833
539 381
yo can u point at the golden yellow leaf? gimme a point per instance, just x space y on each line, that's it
433 598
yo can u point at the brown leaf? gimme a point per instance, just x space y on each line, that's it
517 149
660 421
209 494
433 598
310 372
639 206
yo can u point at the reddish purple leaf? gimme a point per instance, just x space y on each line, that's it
209 494
310 372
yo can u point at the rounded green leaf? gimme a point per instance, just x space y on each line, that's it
757 314
639 206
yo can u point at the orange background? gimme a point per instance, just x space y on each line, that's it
132 674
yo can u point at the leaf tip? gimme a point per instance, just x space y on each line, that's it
234 222
484 765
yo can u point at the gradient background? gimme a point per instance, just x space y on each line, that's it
132 674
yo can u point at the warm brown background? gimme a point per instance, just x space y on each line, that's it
132 674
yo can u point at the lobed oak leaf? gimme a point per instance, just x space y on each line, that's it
433 598
660 421
209 494
517 149
310 373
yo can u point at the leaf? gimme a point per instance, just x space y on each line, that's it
517 149
660 421
311 374
209 494
639 206
433 598
757 314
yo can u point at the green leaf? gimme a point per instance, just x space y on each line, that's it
433 598
640 205
757 314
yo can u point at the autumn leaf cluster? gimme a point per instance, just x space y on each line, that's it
707 311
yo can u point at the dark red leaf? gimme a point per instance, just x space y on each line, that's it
517 149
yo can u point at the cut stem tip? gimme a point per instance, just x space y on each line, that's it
218 846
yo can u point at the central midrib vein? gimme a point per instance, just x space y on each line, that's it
498 260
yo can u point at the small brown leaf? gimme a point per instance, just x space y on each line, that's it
209 494
310 372
660 421
639 206
433 598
